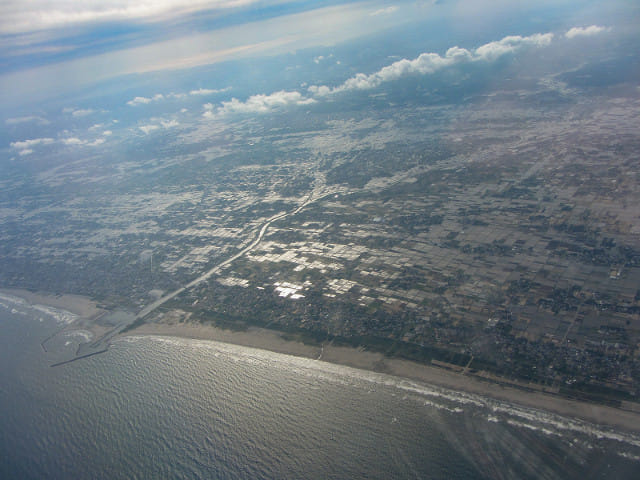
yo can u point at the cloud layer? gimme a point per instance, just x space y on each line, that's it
160 123
19 16
585 31
208 91
25 147
159 96
145 100
427 63
424 64
263 103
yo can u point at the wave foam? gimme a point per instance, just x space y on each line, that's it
18 305
59 315
83 334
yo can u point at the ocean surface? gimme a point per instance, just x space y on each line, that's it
154 407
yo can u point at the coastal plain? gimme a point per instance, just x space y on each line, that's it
488 226
504 248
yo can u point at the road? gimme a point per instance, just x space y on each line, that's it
102 344
215 270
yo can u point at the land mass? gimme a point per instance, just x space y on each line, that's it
496 233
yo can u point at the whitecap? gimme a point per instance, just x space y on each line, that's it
18 305
83 334
59 315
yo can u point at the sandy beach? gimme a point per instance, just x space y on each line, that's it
626 418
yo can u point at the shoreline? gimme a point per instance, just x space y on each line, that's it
626 419
81 306
271 340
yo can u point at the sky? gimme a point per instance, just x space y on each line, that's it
77 43
53 46
153 62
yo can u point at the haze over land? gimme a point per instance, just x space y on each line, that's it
448 182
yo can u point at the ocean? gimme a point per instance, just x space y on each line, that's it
157 407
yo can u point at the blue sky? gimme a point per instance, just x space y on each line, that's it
55 46
67 66
82 42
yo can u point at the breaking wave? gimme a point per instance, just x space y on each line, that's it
19 305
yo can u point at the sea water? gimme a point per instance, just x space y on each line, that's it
156 407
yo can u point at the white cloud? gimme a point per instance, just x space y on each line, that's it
19 16
28 119
159 96
208 110
25 147
144 100
160 123
146 129
263 103
78 112
322 90
82 112
31 143
493 50
424 64
207 91
169 123
320 58
384 11
427 63
73 141
139 101
585 31
100 126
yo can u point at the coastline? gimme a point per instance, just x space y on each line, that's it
271 340
79 305
88 313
